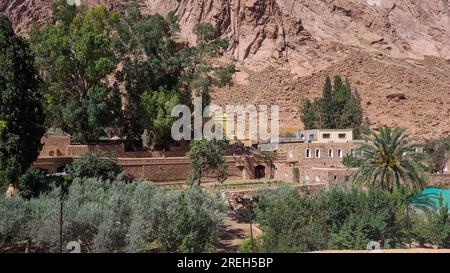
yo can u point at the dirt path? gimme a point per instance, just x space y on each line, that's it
234 234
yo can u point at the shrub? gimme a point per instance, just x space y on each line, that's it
290 221
184 221
356 217
34 183
432 228
248 247
111 216
340 218
95 165
14 215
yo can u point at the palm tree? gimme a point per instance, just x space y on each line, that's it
388 161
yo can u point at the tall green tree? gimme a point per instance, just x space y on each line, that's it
207 157
75 55
150 63
310 114
388 161
328 105
157 72
21 110
158 106
351 115
338 108
199 74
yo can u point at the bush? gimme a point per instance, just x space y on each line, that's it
356 217
340 218
432 228
107 216
95 165
290 221
248 247
185 221
34 183
14 215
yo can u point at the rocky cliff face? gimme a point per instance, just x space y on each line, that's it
284 48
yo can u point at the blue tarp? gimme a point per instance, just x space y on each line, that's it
431 198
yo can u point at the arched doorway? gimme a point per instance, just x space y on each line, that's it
260 172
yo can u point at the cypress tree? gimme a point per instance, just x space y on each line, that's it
21 110
309 115
328 105
338 108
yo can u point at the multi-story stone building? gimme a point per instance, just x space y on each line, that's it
315 157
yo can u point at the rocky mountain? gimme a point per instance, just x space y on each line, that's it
395 52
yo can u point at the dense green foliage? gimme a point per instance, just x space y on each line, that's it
75 57
207 157
432 228
95 165
150 63
158 107
2 125
338 108
109 217
343 218
158 75
34 183
84 55
438 152
387 160
249 246
21 111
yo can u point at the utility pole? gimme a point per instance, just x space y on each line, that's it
61 222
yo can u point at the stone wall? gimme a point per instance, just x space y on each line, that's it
52 164
54 145
312 175
284 171
329 176
175 169
297 152
157 166
440 180
78 150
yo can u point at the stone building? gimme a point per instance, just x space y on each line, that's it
157 166
315 157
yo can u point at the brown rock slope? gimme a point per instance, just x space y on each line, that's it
283 49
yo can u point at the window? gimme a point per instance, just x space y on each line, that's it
339 153
326 136
308 153
335 177
342 136
330 153
311 136
317 153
